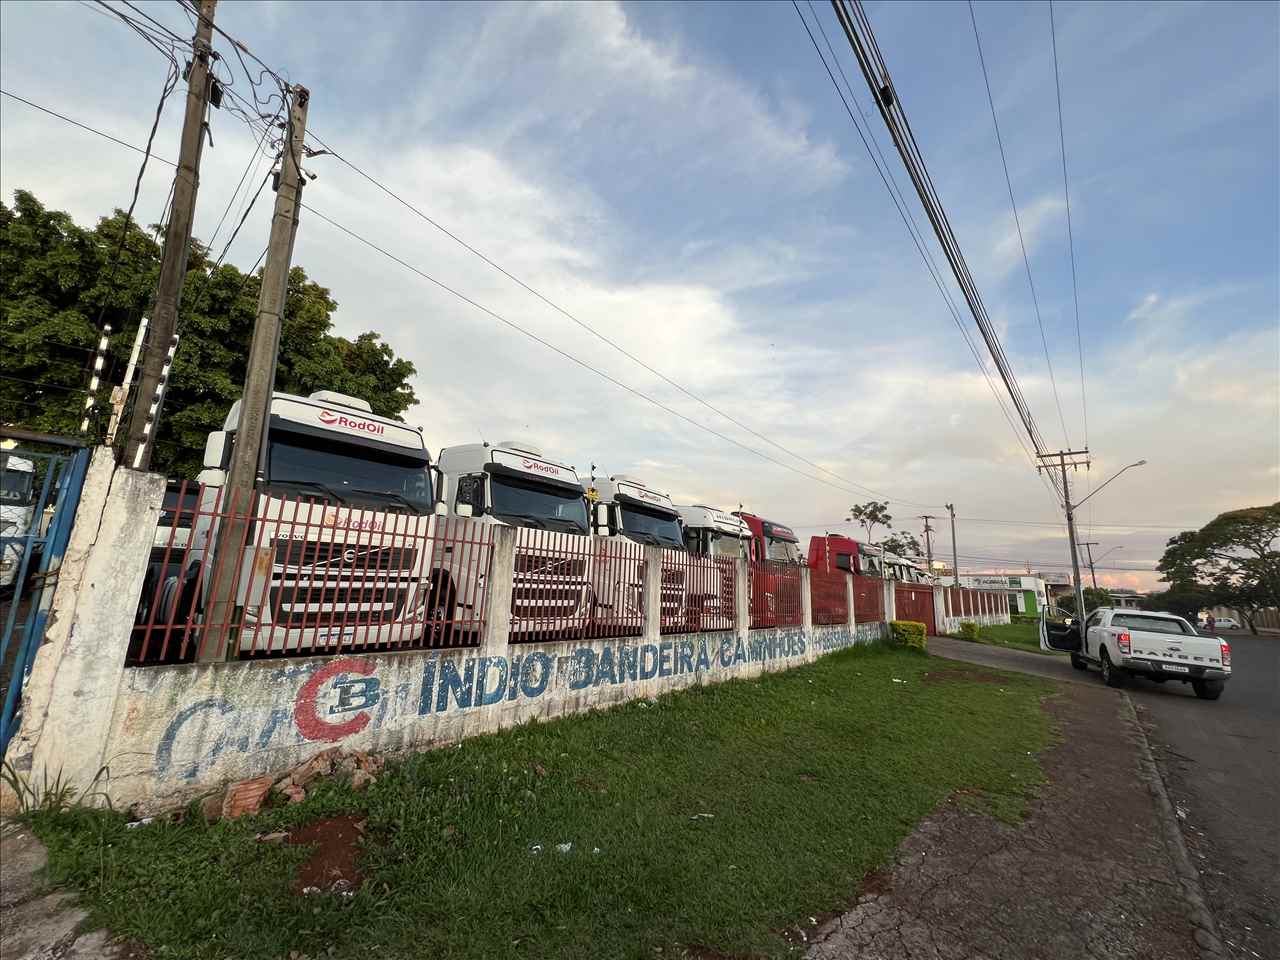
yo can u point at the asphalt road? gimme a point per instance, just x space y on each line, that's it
1221 764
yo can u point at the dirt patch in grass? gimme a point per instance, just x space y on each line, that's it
332 865
964 676
876 883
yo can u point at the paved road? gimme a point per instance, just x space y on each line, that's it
1221 763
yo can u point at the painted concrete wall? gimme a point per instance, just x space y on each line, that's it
167 734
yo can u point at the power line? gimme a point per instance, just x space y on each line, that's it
570 357
85 127
1017 220
890 183
1110 525
593 331
861 38
1071 242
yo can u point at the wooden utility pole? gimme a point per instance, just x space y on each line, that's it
259 383
1070 458
955 552
140 438
1088 548
928 539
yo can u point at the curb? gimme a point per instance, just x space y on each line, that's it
1206 930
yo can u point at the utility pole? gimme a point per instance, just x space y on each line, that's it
1088 549
955 551
143 422
928 539
255 402
1074 459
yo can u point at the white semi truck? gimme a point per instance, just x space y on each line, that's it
17 513
335 551
625 509
721 540
513 483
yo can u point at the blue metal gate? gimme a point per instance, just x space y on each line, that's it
39 493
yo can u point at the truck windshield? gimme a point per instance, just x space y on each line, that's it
1136 621
784 550
15 486
357 475
541 504
652 526
723 545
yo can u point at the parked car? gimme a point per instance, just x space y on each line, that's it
1158 646
1226 623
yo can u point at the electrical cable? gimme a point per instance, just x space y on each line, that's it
596 333
1017 220
85 127
570 357
917 238
1071 241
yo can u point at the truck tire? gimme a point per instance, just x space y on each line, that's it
1078 662
1207 689
1111 676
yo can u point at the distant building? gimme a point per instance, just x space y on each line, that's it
1127 599
1028 595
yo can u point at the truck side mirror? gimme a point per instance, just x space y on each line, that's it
601 525
216 450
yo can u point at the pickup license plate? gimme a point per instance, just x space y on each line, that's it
1174 668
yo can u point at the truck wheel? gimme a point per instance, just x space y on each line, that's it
1077 661
441 609
1207 689
1111 676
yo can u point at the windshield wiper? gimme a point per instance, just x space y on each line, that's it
569 525
389 494
532 519
313 484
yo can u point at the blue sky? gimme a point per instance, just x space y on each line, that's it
684 179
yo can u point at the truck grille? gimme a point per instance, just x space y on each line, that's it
544 565
354 556
538 601
306 605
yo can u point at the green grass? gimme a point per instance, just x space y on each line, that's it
1018 636
811 777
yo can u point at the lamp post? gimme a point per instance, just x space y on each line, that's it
1071 527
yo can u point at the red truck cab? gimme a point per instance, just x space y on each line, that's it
771 541
834 552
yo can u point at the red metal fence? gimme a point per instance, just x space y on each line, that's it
914 601
567 587
868 599
306 577
828 595
775 594
698 593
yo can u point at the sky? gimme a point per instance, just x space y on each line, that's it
684 180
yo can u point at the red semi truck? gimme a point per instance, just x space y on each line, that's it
834 552
775 597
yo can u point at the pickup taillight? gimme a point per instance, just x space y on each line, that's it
1226 653
1122 640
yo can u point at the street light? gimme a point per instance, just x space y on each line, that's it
1140 463
1071 527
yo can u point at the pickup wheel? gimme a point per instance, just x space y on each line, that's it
1207 689
1111 676
1078 662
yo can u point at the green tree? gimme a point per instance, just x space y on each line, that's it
57 278
869 515
1234 559
1092 599
1184 599
903 544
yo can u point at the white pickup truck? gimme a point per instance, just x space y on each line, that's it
1158 646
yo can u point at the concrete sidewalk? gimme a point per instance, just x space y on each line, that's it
1096 870
40 924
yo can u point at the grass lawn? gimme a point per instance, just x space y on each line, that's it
711 818
1020 636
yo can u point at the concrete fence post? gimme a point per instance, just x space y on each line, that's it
70 698
651 591
742 598
502 565
849 596
890 601
806 602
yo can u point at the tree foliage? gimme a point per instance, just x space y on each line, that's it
1233 560
57 279
903 544
872 514
1092 599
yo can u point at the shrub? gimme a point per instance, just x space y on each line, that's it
968 630
909 635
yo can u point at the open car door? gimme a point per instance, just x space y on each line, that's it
1058 634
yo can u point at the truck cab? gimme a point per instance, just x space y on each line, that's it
17 512
514 483
770 540
627 515
1159 646
343 501
718 540
834 552
775 587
